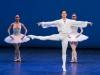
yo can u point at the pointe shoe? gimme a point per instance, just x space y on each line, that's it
19 60
72 61
15 60
64 69
31 36
75 61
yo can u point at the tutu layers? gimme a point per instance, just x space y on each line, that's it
17 39
78 39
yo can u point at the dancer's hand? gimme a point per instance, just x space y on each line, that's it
39 23
90 23
69 36
22 37
12 38
77 36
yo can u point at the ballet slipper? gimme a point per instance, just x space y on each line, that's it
72 61
18 60
15 60
75 61
64 69
30 36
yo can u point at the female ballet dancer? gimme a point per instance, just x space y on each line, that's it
16 38
63 26
74 38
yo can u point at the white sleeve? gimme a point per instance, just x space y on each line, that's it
79 23
49 24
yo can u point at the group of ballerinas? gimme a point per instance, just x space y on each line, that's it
67 29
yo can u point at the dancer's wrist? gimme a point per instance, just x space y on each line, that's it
10 36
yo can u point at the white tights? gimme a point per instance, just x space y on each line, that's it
58 37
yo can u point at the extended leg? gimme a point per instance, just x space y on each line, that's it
55 37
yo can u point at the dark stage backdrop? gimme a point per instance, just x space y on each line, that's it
33 11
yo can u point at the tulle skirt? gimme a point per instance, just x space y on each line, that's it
17 39
78 39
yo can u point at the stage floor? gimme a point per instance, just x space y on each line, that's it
48 62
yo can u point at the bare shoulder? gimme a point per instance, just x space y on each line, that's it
22 24
12 24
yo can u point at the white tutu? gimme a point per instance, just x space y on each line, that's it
78 39
17 39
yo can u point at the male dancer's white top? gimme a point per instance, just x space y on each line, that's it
64 28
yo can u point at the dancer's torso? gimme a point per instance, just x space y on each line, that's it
16 28
64 27
74 29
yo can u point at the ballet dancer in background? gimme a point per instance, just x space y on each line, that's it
74 38
63 26
16 38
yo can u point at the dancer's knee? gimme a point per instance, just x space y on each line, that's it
64 52
73 50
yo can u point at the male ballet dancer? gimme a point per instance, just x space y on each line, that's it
63 26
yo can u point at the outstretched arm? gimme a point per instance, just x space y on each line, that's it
80 23
48 24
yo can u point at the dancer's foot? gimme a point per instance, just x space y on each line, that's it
19 60
15 60
64 68
72 61
31 36
75 61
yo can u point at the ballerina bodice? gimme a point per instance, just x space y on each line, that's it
17 30
74 29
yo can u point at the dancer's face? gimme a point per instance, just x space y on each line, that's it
64 14
17 18
74 17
